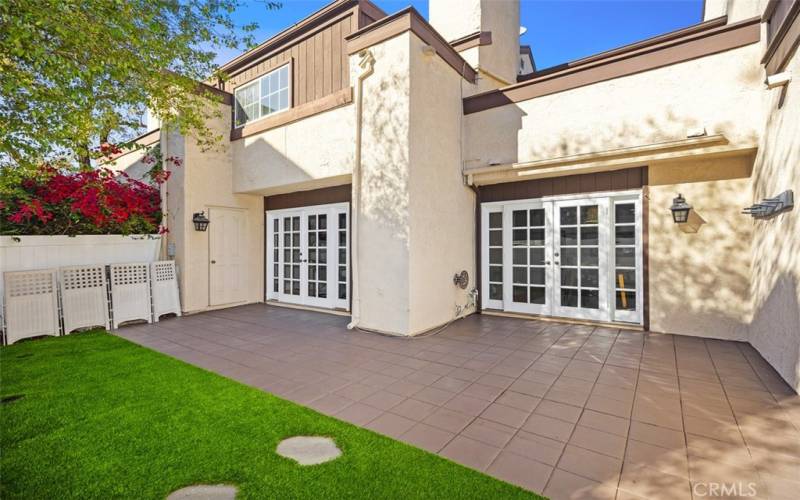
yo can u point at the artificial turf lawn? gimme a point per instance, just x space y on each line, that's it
104 418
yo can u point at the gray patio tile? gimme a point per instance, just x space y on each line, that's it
448 420
330 404
358 414
558 410
390 424
590 464
356 391
491 433
629 392
467 405
414 409
427 437
521 471
566 485
604 422
549 427
383 400
404 388
599 441
481 391
470 452
450 384
505 415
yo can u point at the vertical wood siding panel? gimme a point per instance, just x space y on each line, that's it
336 57
327 55
295 73
319 67
309 69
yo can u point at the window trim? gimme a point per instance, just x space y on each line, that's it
257 81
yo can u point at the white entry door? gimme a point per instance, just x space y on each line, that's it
227 247
572 257
307 256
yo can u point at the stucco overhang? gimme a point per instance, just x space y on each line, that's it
713 146
405 20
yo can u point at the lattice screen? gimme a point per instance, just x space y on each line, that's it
130 292
165 289
31 302
84 298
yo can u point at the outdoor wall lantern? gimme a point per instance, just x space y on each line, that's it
200 221
680 210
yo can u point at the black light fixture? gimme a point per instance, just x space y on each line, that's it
680 209
200 221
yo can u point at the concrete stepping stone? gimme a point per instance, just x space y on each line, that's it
205 492
309 450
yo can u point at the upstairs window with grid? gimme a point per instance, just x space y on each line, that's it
263 97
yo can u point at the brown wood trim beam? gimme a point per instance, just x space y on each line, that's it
784 43
309 198
409 19
618 64
476 39
331 101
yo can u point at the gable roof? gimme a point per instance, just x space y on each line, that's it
326 13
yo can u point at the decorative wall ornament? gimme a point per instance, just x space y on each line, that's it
771 206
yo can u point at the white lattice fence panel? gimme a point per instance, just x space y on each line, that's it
130 292
165 288
84 299
31 302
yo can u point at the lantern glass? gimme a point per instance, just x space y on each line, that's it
200 221
680 210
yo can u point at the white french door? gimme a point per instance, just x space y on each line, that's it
574 257
307 256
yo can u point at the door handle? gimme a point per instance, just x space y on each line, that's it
213 261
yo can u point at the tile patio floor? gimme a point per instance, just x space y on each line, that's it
568 411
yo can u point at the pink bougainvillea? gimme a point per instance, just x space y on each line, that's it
99 201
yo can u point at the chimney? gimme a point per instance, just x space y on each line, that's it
498 61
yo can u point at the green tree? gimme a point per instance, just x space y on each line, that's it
75 72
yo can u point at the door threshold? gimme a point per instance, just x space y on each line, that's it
558 319
335 312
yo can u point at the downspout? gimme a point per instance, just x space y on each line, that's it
367 64
164 192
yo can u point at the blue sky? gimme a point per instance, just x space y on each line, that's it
558 30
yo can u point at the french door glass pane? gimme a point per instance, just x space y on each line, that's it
579 238
496 256
529 240
625 256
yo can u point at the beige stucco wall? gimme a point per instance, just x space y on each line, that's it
314 152
206 180
131 163
736 10
498 62
775 330
700 281
442 208
383 213
721 92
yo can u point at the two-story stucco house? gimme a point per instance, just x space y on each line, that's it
370 157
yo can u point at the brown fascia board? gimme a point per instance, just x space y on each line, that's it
227 97
476 39
324 14
785 42
409 19
673 48
145 139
